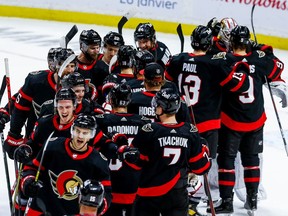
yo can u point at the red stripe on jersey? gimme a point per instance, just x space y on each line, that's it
242 126
227 183
144 157
120 198
25 96
274 71
37 164
238 86
228 78
33 212
167 76
203 169
51 81
17 207
86 67
98 137
18 106
159 190
198 157
208 125
133 166
106 183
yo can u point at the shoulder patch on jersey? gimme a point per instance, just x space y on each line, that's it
220 55
147 128
35 72
193 128
99 116
260 53
104 158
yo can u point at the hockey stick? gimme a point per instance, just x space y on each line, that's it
205 176
125 19
112 62
181 36
269 88
2 90
66 39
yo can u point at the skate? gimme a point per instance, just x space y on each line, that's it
225 208
192 211
251 204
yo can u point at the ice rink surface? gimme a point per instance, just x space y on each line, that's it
26 42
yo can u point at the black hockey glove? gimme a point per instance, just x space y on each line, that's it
32 188
92 193
265 48
214 25
12 142
129 154
118 138
4 118
23 153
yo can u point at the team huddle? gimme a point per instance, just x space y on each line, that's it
130 130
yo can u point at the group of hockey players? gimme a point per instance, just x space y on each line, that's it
133 136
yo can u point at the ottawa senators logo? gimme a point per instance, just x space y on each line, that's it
66 185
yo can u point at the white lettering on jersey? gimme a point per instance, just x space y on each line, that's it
173 141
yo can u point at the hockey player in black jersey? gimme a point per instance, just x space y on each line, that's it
90 45
168 151
243 117
153 82
65 164
112 41
145 39
205 77
142 58
39 87
124 180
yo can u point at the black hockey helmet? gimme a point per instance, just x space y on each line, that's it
89 37
168 99
240 35
85 121
154 71
143 57
120 95
201 38
73 79
113 39
61 54
50 58
91 193
65 94
126 56
145 31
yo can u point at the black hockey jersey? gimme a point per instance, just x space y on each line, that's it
167 153
63 171
124 179
161 53
205 76
39 87
245 112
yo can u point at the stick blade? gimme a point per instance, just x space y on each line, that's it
68 37
181 36
125 18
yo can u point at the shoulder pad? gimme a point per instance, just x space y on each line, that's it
193 128
220 55
147 128
260 53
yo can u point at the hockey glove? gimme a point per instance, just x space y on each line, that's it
194 183
280 89
214 25
4 118
118 138
23 153
12 142
127 153
31 188
92 193
107 107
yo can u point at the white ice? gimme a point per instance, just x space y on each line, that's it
26 42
